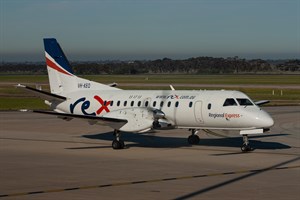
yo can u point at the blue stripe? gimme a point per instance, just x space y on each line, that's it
55 51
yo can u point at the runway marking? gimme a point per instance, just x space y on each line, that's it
148 181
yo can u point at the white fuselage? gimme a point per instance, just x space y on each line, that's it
181 108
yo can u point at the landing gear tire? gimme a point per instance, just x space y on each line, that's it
193 139
118 144
246 148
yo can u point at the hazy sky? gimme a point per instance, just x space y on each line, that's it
150 29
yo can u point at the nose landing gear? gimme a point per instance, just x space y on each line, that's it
246 146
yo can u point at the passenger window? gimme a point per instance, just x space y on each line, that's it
176 104
191 104
104 103
209 106
111 103
118 103
139 103
154 103
245 102
125 103
161 104
230 102
146 104
132 103
169 103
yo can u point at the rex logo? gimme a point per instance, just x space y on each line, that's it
86 105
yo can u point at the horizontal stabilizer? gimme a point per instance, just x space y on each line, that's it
43 94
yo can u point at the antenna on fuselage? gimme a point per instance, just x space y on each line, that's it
172 88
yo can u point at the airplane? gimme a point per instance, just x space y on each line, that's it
140 111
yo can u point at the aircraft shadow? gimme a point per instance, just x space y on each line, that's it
154 141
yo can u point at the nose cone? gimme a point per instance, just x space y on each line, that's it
264 120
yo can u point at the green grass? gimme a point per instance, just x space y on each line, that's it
201 79
168 79
12 98
15 103
24 78
284 94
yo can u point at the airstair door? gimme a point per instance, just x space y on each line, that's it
198 112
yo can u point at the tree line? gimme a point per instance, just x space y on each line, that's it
198 65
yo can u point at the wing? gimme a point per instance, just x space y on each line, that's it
127 120
112 122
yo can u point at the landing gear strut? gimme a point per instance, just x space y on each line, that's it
117 142
194 138
246 146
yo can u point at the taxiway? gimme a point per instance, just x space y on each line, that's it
43 157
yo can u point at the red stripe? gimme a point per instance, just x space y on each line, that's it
54 66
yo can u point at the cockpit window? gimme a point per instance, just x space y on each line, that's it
230 102
245 102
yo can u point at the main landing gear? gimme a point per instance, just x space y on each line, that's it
246 146
194 138
117 142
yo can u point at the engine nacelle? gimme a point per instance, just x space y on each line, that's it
138 119
162 124
158 114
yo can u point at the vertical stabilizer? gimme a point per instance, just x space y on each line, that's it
61 76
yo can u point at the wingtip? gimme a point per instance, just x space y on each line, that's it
24 110
262 102
20 86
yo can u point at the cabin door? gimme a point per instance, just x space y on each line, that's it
198 112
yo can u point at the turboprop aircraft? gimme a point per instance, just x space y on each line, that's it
140 111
